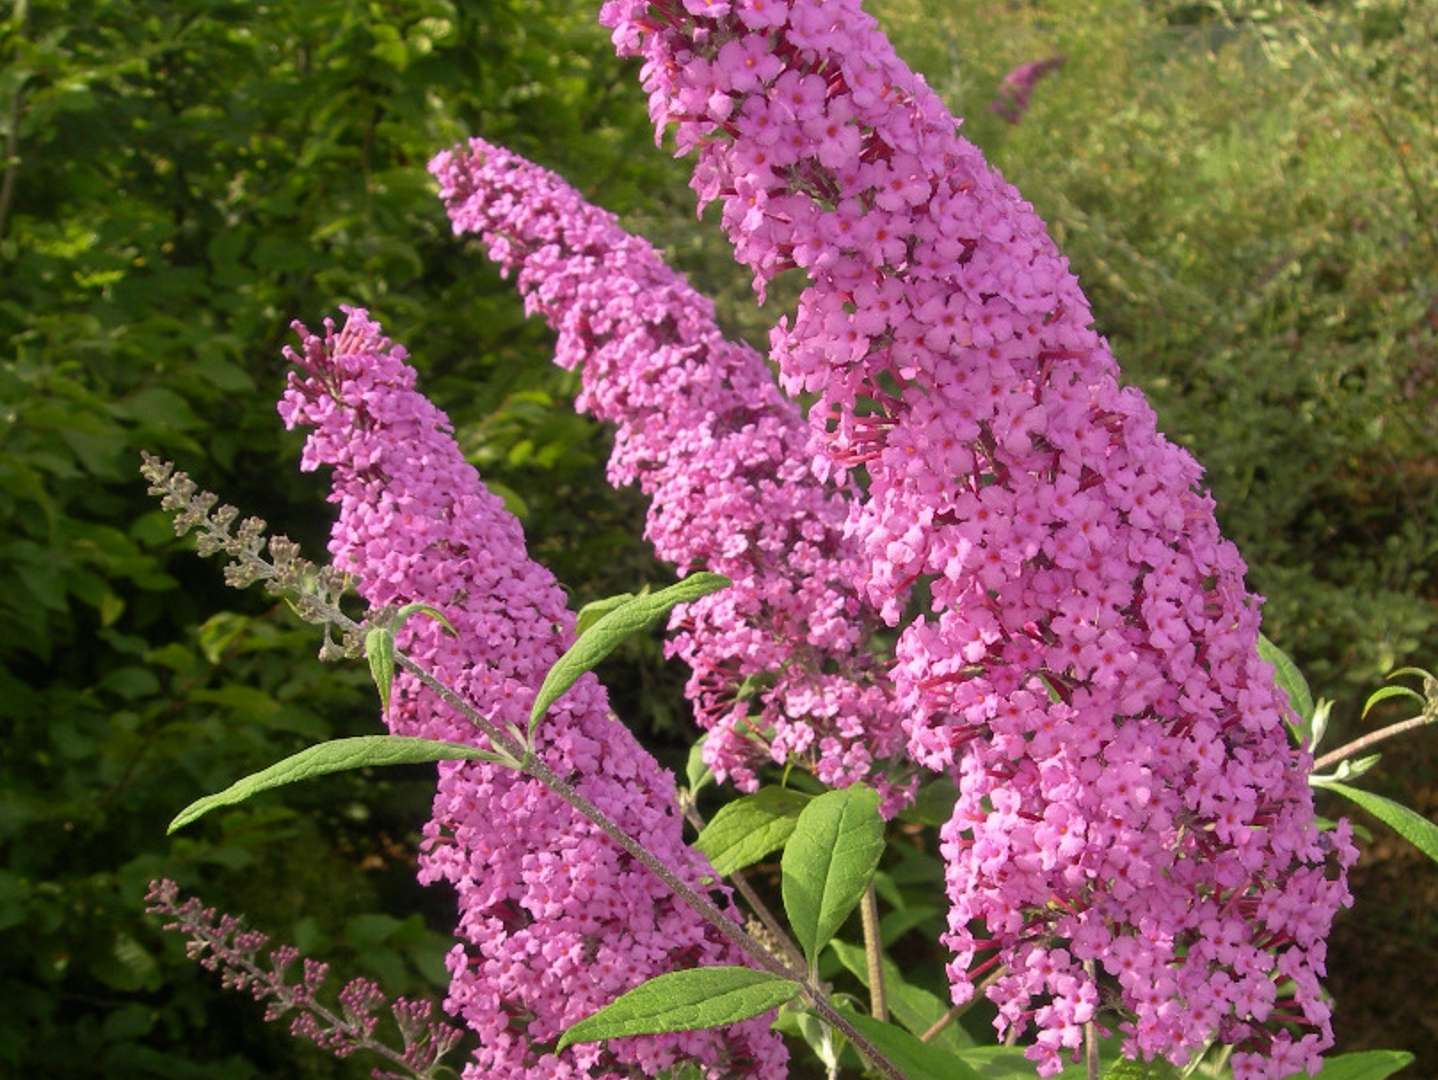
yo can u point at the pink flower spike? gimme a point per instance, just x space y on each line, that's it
780 665
1086 619
554 920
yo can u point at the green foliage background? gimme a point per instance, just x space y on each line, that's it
1246 190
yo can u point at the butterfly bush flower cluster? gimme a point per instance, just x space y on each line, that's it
1017 87
1087 669
727 462
555 921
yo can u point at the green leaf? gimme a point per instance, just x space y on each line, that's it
895 924
913 1006
131 683
613 627
379 648
1383 693
127 965
934 803
1009 1063
684 1000
746 830
1318 726
1412 826
916 1060
1291 681
1365 1065
337 755
1398 673
822 1038
828 862
696 773
402 616
592 612
1124 1069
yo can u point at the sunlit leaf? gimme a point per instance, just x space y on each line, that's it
613 627
746 830
337 755
684 1000
828 862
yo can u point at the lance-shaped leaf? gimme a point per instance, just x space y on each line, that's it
379 649
403 615
746 830
916 1060
629 618
913 1006
1124 1069
684 1000
1412 826
1291 681
1365 1065
828 862
595 610
1383 693
696 773
1009 1063
336 755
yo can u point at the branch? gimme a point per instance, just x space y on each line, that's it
1364 742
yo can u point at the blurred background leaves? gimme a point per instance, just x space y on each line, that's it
1246 190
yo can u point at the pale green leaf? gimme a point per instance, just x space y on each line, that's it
337 755
1398 673
1412 826
684 1000
696 773
1383 693
433 612
379 648
629 618
746 830
827 1043
828 862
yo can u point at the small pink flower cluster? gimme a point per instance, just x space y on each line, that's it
221 943
1018 86
555 921
1088 670
727 462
